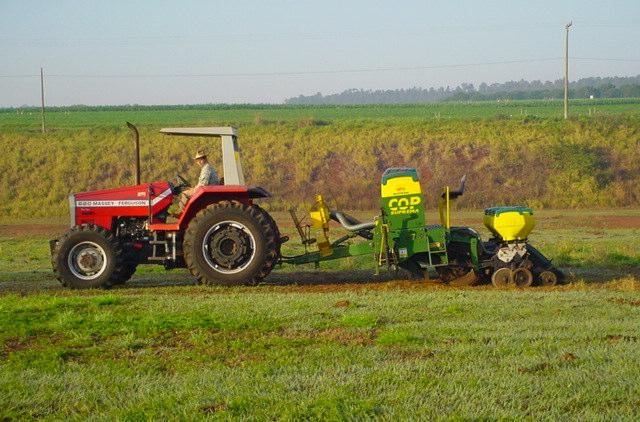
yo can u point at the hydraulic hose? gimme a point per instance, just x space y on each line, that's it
350 223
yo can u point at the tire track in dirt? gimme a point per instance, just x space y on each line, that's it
29 230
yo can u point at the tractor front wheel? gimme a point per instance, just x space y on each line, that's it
229 243
86 257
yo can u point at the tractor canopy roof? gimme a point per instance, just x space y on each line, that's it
200 131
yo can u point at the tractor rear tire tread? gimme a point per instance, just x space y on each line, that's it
267 255
273 224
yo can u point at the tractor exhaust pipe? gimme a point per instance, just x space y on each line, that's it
136 141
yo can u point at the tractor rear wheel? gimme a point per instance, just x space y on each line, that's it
86 257
229 243
274 226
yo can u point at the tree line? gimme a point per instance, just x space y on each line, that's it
596 87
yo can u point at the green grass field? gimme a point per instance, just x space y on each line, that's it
248 114
333 344
264 354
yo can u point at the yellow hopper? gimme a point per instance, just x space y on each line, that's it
509 223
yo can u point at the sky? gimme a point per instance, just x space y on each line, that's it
240 51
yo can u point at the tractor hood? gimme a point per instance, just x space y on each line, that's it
128 196
101 206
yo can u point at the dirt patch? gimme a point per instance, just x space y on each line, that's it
33 342
26 230
535 368
342 304
173 340
592 221
240 360
72 355
621 301
568 357
613 222
340 281
15 344
615 338
340 335
284 222
451 341
214 408
401 354
621 279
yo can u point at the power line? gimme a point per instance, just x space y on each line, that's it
310 72
604 59
319 34
294 73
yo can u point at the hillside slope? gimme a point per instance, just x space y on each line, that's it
585 162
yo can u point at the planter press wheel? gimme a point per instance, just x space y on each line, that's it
501 277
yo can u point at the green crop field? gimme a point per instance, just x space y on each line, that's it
337 342
91 117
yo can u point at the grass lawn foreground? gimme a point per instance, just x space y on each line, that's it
305 346
192 352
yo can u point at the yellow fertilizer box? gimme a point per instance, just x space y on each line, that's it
509 223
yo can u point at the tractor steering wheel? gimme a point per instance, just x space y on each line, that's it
182 182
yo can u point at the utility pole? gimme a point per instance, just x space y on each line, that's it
566 70
42 96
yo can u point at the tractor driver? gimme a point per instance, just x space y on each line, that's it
208 176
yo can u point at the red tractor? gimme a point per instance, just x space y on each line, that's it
221 235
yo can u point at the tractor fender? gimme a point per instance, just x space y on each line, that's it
207 195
